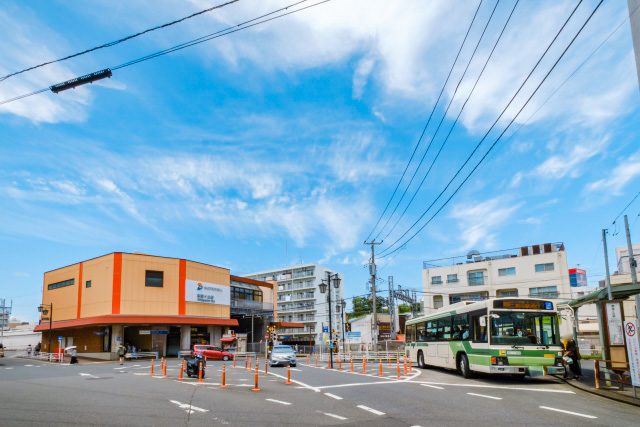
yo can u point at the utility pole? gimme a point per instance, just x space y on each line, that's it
392 309
606 264
632 265
372 271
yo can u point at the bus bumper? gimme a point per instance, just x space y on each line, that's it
497 369
527 370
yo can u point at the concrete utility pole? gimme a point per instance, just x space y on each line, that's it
632 265
606 264
634 21
392 310
372 271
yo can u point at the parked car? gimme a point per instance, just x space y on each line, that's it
282 355
211 352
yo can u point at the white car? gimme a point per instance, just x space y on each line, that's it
282 355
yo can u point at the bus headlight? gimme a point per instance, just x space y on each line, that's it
500 361
558 361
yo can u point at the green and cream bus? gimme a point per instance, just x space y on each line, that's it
498 336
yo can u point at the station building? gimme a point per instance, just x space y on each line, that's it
157 304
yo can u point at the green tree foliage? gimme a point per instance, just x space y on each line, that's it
364 305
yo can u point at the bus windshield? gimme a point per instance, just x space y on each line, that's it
524 328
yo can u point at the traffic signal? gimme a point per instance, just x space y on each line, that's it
347 327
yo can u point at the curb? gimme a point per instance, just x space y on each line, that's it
622 399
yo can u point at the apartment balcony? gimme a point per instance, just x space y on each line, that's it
297 307
545 295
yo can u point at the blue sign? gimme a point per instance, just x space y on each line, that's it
548 305
331 344
118 338
59 338
158 332
99 334
325 329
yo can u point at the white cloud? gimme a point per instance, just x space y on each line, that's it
559 166
361 75
477 221
625 172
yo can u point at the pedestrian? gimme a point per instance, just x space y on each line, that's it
37 350
29 350
122 350
74 356
571 356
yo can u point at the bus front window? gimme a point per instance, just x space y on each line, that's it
524 328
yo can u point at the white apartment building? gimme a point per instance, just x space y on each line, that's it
299 300
531 271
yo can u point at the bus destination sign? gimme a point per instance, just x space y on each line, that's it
523 304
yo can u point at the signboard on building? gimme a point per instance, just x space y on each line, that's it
99 334
633 350
614 323
354 337
208 293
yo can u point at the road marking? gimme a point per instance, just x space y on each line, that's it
484 395
333 415
546 390
123 367
139 373
373 411
316 389
432 386
278 401
188 407
567 412
334 396
86 375
296 369
28 365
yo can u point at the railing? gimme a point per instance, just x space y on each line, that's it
297 308
545 295
51 357
154 354
453 280
476 282
621 371
436 282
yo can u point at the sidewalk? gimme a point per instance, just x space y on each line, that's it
587 383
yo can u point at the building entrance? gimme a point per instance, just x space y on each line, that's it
173 342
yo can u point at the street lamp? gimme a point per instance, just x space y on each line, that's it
323 288
47 309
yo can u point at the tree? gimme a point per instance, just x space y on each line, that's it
404 308
364 305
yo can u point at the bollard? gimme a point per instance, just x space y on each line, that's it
224 376
398 367
257 364
234 361
266 366
329 363
340 363
181 369
388 360
255 388
151 367
405 368
351 370
364 365
164 371
307 360
381 374
289 376
316 360
200 373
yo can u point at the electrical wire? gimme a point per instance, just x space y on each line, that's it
493 125
113 43
443 117
428 121
455 121
221 33
625 208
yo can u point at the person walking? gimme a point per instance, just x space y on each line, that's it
74 356
37 349
29 350
122 350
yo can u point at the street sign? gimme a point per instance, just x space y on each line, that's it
118 339
99 334
325 329
633 350
614 323
59 338
158 332
266 336
354 337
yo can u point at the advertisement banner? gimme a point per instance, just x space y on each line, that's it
633 350
208 293
614 322
354 337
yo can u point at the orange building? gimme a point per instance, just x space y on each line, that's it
156 304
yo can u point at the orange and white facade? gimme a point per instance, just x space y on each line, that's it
156 304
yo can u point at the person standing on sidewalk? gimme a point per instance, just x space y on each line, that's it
122 350
572 351
74 356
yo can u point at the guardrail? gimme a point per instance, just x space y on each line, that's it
141 354
362 355
51 357
622 373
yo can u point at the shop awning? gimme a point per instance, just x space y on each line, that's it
120 319
228 339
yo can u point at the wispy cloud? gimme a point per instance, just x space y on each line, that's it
625 172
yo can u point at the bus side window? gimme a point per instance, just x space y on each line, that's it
421 333
479 331
461 327
410 335
431 330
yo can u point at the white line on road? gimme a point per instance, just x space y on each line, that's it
373 411
567 412
188 407
484 395
123 367
86 375
334 396
28 365
296 369
278 401
333 415
547 390
316 389
432 386
139 373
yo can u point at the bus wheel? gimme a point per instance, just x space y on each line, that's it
421 363
463 366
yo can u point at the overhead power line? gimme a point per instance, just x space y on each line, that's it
221 33
115 42
444 115
415 193
492 126
625 208
428 121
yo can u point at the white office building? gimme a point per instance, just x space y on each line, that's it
538 271
299 300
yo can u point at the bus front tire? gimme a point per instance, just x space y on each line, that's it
421 363
463 366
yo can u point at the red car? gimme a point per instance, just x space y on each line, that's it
211 352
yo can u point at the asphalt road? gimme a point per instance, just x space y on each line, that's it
104 393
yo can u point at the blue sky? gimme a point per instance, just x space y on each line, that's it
283 143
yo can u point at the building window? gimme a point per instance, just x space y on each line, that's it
544 292
468 297
153 278
61 284
88 283
436 280
476 278
544 267
452 278
507 293
437 301
511 271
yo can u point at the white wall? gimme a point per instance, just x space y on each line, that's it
19 339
